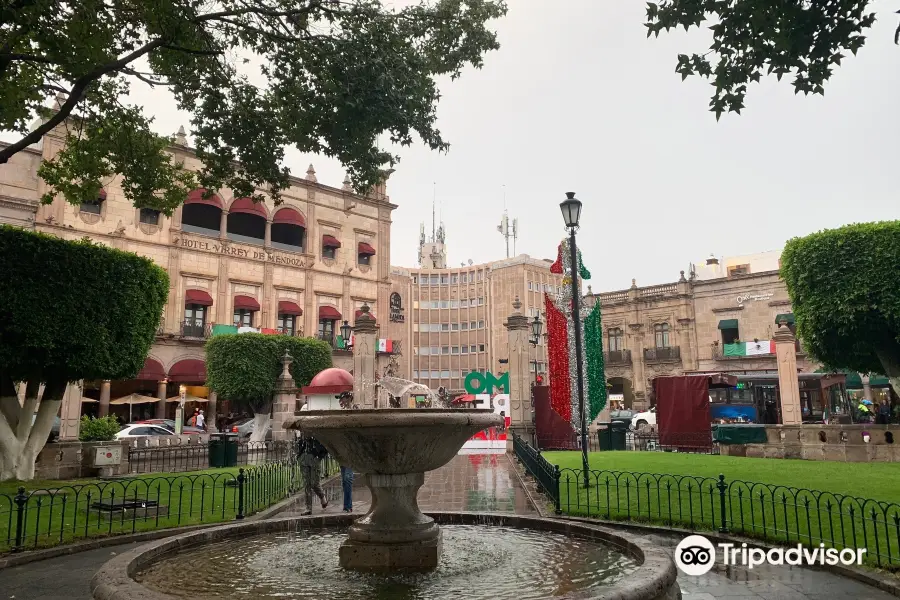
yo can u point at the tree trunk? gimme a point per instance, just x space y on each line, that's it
261 422
891 365
23 433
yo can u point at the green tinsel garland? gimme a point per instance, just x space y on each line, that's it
593 341
582 270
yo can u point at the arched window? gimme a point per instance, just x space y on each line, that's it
616 340
202 215
95 206
247 221
288 230
662 335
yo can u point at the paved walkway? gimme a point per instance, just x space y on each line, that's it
470 483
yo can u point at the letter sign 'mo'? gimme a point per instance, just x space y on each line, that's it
476 383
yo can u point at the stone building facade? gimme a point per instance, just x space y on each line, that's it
299 268
683 327
452 320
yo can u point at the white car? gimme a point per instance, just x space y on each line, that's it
141 430
643 420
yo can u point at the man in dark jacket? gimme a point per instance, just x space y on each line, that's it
311 454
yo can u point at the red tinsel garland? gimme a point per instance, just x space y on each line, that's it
557 267
558 351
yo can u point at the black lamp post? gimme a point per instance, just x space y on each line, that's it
346 330
571 211
535 338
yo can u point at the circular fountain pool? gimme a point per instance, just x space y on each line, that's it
484 557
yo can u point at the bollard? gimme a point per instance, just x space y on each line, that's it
240 480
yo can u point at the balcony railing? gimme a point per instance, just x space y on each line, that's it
298 332
195 329
617 357
327 338
670 354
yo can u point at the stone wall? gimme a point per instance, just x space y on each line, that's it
842 443
71 460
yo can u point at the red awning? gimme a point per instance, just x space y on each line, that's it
189 370
196 197
101 195
366 249
198 297
152 371
329 241
329 313
464 398
290 216
248 206
246 303
285 307
359 312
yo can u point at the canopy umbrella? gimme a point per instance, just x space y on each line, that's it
132 399
83 399
464 398
187 398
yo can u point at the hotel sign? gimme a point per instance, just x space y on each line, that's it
396 315
250 253
754 297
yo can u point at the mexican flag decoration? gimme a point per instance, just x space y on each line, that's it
561 348
757 348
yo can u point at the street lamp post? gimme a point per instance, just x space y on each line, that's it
535 338
346 330
571 211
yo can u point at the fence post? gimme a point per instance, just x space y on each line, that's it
21 499
240 507
723 526
556 477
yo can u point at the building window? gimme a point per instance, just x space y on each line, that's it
454 278
454 350
616 339
481 347
326 330
464 350
480 324
444 280
454 326
149 216
464 326
364 259
445 349
661 330
473 325
530 286
243 317
194 320
329 252
93 207
287 324
730 335
739 270
415 279
473 349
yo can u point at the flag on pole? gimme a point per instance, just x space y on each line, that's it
758 348
385 345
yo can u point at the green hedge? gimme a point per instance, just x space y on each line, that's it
244 367
75 309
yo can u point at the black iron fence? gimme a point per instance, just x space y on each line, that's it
773 513
641 441
44 517
196 457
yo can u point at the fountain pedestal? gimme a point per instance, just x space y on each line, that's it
392 449
394 534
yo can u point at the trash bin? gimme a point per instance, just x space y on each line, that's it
216 451
223 450
604 434
617 431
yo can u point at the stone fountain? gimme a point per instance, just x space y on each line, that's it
392 449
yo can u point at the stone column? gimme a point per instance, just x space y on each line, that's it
267 242
104 397
212 412
284 402
867 389
70 412
223 226
364 341
161 394
518 331
638 383
788 384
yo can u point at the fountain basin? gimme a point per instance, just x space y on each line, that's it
392 449
648 575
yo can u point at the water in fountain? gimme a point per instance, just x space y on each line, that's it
478 562
398 387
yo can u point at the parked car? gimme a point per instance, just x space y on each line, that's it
170 425
643 420
141 430
245 427
621 416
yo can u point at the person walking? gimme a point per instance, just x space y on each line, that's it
347 487
201 420
884 412
311 454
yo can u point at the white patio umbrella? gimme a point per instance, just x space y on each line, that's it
131 400
187 399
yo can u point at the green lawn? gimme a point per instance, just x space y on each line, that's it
58 512
840 504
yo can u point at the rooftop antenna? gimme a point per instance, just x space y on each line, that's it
433 200
503 227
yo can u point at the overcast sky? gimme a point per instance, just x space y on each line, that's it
578 99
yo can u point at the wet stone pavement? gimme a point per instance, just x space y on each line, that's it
483 483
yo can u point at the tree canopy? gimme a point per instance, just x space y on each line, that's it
71 311
752 38
244 367
843 288
338 74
